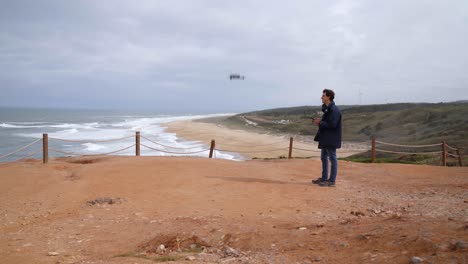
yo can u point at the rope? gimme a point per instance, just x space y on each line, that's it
90 141
18 150
234 145
100 154
313 150
350 151
451 147
30 155
194 152
409 146
419 153
165 145
225 150
450 154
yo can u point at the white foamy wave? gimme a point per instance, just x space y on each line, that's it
77 126
18 125
93 147
92 137
11 126
42 125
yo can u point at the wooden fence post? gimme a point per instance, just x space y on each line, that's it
459 157
137 143
212 148
444 154
45 148
290 147
373 150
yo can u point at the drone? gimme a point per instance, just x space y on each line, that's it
236 77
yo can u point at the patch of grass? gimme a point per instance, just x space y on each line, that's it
358 159
408 159
405 123
132 255
156 259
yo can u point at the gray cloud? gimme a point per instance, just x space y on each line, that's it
167 56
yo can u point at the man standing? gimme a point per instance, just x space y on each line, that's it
329 138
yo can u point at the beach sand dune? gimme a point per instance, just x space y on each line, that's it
122 209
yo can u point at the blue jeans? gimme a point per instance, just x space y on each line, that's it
329 153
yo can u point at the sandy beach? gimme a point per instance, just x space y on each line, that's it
250 144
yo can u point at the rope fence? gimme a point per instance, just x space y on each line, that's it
91 141
154 142
19 150
100 154
251 151
172 152
249 146
445 151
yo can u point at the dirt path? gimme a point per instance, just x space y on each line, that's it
220 211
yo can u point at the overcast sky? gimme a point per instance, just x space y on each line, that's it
177 55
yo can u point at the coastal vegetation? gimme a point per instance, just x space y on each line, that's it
402 123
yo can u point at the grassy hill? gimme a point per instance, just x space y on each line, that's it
404 123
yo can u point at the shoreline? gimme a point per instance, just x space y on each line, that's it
250 144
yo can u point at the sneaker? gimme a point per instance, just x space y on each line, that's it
318 181
323 183
327 184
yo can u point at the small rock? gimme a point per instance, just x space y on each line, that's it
106 200
190 258
357 213
228 251
302 228
461 245
318 259
415 260
161 248
52 254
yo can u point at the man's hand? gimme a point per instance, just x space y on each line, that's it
316 121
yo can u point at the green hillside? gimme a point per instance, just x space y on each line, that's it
404 123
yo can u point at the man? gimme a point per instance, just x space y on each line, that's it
328 137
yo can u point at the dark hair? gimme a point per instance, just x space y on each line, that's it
329 93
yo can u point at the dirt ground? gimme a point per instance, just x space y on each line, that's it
123 209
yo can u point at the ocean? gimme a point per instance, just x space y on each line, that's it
92 132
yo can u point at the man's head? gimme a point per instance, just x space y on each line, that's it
328 96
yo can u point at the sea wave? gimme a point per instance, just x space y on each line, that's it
87 135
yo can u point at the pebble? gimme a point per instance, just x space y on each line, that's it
228 251
190 258
52 254
415 260
460 245
161 248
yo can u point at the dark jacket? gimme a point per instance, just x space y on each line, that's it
329 133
